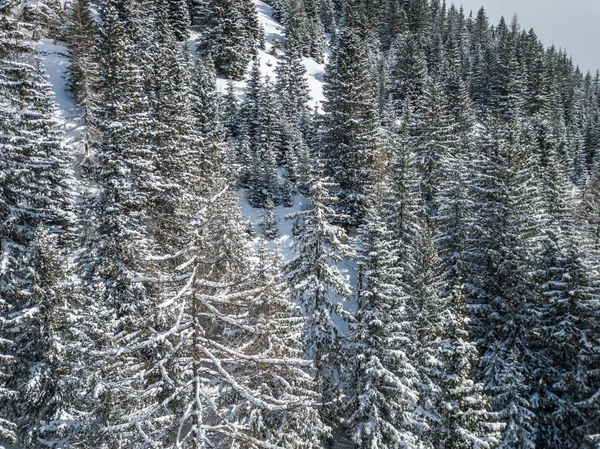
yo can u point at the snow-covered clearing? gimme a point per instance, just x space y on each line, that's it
274 32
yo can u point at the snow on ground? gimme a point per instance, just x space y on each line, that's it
55 60
285 242
284 226
314 72
274 33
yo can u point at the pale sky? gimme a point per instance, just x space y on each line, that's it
570 24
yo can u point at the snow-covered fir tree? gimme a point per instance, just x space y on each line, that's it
262 126
231 34
382 380
315 279
351 139
506 236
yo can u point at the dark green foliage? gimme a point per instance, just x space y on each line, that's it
351 139
231 35
179 16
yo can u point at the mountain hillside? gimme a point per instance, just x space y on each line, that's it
295 224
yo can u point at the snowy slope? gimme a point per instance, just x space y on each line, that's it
274 33
314 71
68 118
55 61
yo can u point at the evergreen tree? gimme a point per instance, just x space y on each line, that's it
304 30
231 34
168 128
230 112
179 15
37 193
351 138
8 31
292 86
269 222
455 204
408 73
296 32
433 137
279 9
48 406
566 303
503 243
315 279
117 240
262 131
482 61
383 382
464 410
403 204
44 16
315 30
425 310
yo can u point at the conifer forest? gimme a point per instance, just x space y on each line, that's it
295 224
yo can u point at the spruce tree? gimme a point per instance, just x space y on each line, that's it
503 243
455 203
168 127
566 303
382 380
315 280
269 222
465 418
117 240
425 309
231 34
37 195
296 32
482 60
262 126
230 112
179 15
44 17
403 203
433 137
315 30
292 86
408 71
304 30
49 407
351 139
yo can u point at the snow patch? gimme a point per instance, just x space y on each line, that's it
274 32
55 61
285 241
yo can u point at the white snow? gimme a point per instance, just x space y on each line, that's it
286 240
274 33
284 227
55 60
